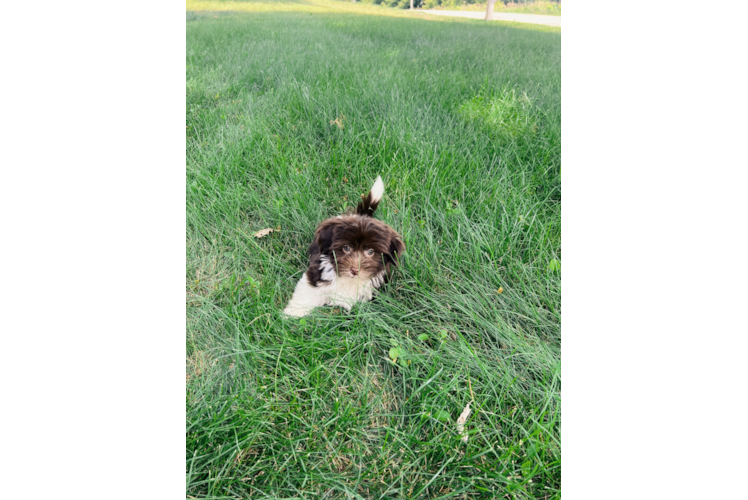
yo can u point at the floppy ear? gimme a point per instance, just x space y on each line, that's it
397 248
323 236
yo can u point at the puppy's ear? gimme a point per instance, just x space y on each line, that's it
397 248
324 235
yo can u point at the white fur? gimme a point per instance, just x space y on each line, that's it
340 291
377 190
328 271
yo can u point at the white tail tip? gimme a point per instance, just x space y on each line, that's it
377 190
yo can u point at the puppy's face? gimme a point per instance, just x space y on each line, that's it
358 247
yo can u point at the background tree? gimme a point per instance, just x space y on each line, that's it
489 10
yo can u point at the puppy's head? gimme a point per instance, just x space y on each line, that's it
358 247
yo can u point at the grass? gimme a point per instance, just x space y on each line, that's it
538 7
311 6
462 120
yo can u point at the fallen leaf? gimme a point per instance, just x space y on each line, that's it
339 122
461 423
264 232
500 290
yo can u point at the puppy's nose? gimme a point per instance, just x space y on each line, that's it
354 271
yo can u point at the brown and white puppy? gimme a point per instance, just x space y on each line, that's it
350 257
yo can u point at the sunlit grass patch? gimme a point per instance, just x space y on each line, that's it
508 113
310 6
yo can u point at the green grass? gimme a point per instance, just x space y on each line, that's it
462 120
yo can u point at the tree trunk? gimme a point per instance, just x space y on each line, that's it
411 4
489 10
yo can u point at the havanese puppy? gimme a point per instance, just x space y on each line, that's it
350 257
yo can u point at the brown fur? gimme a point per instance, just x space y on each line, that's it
366 206
360 233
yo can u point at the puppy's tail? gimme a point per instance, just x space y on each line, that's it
369 203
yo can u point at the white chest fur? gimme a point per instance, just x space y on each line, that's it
339 291
345 292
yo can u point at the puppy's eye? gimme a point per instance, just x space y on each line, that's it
370 252
346 249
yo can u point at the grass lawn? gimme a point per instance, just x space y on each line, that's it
462 121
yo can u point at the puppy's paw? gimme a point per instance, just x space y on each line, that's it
296 312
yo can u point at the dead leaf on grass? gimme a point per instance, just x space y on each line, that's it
461 420
264 232
339 122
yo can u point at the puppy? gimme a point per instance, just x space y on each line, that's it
350 256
